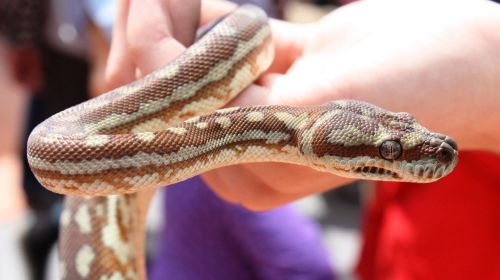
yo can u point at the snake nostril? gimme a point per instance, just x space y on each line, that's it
452 143
445 154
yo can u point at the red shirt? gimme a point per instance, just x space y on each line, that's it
449 229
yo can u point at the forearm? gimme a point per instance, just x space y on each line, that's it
473 113
452 85
470 112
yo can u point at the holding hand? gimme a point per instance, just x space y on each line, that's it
435 59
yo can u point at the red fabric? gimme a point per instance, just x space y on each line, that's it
449 229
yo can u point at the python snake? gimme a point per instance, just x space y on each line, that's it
109 154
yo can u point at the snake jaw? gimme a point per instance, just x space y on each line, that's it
421 171
438 157
425 170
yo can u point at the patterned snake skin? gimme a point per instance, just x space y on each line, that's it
114 150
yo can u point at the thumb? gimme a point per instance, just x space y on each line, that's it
285 89
157 30
274 89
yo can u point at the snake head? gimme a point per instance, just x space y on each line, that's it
360 140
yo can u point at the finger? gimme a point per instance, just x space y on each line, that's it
238 186
289 41
223 182
185 16
253 95
293 179
119 68
283 89
150 34
296 87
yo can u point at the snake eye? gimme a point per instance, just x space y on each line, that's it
390 150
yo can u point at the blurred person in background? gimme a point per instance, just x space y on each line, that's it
48 54
21 30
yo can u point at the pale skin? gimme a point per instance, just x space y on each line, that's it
13 103
438 60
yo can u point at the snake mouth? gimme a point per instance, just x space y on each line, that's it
423 171
370 171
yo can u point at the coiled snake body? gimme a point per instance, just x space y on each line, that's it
114 150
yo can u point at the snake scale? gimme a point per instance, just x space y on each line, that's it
109 154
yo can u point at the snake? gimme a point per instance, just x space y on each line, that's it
109 154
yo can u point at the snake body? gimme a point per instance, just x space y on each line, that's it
110 153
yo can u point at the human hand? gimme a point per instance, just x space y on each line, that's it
371 50
144 39
435 59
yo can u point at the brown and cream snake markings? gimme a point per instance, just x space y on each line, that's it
109 153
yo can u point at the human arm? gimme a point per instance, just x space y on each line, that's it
13 104
438 60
